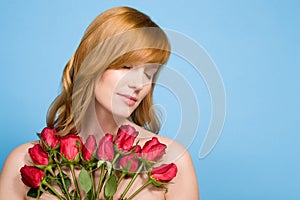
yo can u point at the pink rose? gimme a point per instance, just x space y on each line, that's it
130 162
153 149
89 148
106 148
125 137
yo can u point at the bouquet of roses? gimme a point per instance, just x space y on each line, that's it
113 159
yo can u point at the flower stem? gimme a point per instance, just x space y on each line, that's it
115 158
131 181
39 191
57 163
93 183
63 182
139 190
100 184
53 190
121 177
75 180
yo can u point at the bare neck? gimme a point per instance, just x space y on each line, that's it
99 121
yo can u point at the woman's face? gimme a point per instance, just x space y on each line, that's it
120 91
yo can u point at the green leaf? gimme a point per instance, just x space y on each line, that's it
34 193
85 181
110 187
89 195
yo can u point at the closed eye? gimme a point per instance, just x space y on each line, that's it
126 67
148 75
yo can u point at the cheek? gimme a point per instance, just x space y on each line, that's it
103 89
147 89
110 80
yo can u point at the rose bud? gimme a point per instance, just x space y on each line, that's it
164 173
153 149
31 176
137 149
129 163
89 148
38 156
125 137
70 146
49 138
106 148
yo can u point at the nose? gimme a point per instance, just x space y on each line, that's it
136 79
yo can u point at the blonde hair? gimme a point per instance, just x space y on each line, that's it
116 37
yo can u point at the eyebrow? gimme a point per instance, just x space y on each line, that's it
153 66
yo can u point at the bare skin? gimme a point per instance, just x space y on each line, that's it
185 183
134 80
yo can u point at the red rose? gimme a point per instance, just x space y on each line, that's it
49 137
70 146
38 156
164 173
153 149
89 147
129 163
125 137
137 149
31 176
106 148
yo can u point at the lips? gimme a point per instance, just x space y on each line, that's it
130 100
129 97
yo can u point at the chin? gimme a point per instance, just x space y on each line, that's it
123 111
122 114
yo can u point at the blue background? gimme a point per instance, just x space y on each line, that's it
255 45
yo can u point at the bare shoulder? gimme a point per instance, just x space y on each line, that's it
185 184
10 182
18 155
175 151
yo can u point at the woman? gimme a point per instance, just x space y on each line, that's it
109 82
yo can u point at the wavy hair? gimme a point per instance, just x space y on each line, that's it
116 37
